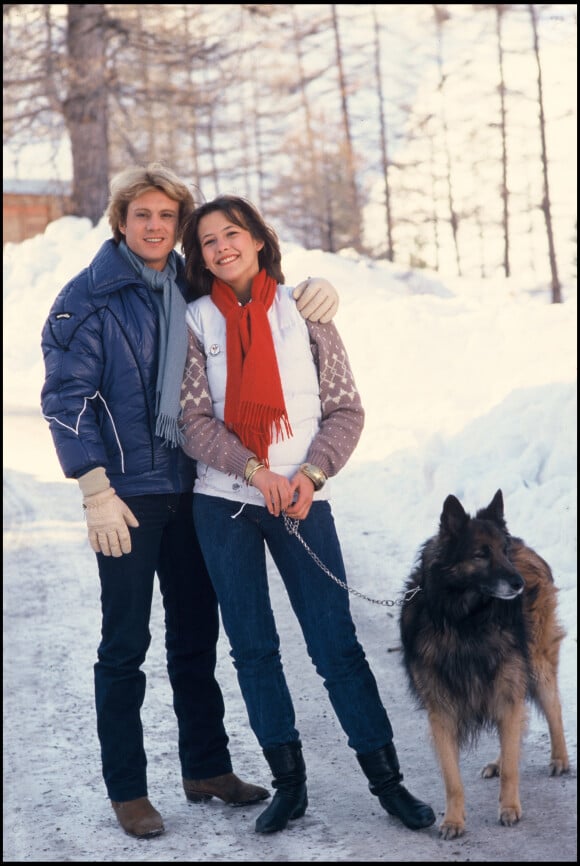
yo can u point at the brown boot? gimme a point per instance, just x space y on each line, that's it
228 788
139 818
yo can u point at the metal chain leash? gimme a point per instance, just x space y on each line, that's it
292 528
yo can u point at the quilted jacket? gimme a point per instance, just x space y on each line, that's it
100 346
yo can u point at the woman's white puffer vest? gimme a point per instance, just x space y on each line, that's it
299 382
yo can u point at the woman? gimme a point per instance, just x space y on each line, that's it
270 411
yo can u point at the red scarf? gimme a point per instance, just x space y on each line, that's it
255 407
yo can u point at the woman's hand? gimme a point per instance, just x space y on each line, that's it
277 491
294 497
303 494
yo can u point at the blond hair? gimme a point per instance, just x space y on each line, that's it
130 183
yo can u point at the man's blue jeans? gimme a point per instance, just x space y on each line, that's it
234 542
166 543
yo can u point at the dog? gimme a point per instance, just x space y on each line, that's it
480 637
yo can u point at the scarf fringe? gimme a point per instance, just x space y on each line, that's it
258 417
259 425
168 429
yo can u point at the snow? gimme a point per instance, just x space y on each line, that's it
468 387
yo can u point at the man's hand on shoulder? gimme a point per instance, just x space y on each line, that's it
316 299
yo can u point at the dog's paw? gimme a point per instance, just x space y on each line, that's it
449 829
559 766
490 770
510 815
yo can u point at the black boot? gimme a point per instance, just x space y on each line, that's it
382 770
290 800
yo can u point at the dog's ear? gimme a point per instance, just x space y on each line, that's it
494 510
453 516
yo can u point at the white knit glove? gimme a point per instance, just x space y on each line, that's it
316 299
108 518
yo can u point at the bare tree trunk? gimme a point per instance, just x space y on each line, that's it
546 206
316 218
192 121
500 11
434 216
384 139
258 135
85 109
349 152
441 15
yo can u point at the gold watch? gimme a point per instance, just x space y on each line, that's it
315 473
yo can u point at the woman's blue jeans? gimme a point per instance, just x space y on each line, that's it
234 547
165 542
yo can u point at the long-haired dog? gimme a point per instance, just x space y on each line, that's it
480 636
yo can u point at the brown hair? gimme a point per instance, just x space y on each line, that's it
241 213
129 184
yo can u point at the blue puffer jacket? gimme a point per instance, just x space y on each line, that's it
100 345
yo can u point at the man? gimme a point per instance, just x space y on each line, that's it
114 346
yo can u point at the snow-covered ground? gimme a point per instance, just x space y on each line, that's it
468 387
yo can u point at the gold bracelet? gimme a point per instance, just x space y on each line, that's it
251 463
315 474
253 472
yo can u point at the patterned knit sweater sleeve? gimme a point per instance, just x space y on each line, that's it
206 438
342 411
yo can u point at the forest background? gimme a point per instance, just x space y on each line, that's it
433 136
399 137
